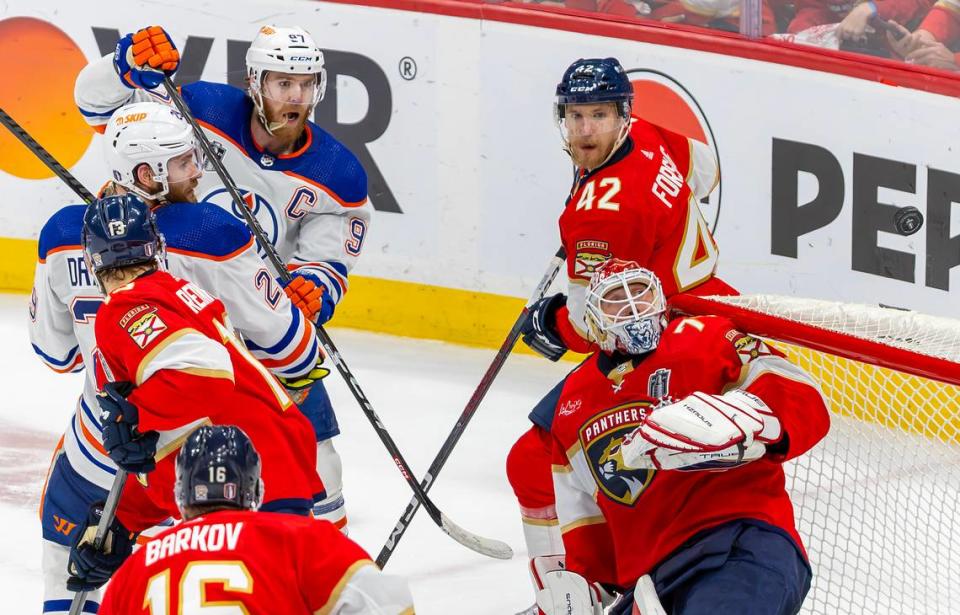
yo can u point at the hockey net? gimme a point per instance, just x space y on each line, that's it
878 500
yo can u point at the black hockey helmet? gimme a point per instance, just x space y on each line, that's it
218 466
119 231
593 81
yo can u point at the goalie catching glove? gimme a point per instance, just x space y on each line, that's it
702 432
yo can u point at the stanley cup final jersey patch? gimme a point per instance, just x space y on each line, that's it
146 328
601 437
589 254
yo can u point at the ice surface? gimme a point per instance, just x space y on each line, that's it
418 389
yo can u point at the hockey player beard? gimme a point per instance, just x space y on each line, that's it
285 121
183 191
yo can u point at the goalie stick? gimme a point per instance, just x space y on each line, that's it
106 518
441 459
486 546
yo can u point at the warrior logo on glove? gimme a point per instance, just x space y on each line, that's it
601 438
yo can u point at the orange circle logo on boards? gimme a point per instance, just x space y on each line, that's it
662 100
39 64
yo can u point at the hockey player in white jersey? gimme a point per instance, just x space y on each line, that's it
308 191
150 151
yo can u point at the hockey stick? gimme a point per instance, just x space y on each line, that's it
45 157
106 518
486 546
441 459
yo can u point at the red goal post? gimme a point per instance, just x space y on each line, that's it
878 501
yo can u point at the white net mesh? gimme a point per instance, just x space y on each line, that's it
878 501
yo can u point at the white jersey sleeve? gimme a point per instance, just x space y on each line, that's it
51 323
311 203
704 172
98 92
369 590
330 242
211 248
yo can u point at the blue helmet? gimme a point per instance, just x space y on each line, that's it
119 231
595 81
218 466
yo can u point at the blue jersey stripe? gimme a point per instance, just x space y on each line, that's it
70 356
89 413
86 453
306 363
55 606
285 340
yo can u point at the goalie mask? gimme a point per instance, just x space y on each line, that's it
155 135
625 308
291 51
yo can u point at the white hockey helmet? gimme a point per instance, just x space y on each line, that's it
147 133
284 50
625 308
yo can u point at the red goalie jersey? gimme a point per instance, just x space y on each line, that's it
619 523
249 562
642 205
173 342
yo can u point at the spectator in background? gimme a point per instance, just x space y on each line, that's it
928 45
855 17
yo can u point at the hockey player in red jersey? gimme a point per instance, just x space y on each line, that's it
168 361
254 562
667 459
635 196
306 188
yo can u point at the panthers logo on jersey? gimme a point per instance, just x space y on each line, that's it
601 437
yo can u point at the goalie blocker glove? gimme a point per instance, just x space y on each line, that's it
702 432
540 329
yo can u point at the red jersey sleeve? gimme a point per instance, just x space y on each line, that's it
943 21
792 395
327 562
